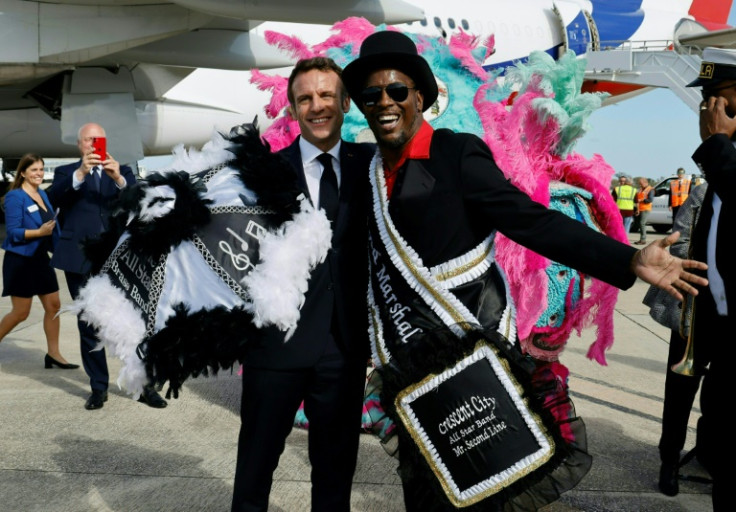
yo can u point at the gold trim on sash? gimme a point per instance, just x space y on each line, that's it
481 490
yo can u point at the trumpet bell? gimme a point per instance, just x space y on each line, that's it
685 367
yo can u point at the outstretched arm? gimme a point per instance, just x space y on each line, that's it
655 265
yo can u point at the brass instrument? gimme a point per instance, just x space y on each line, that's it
687 365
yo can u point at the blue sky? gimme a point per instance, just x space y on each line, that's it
650 135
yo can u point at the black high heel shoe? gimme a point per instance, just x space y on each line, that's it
50 362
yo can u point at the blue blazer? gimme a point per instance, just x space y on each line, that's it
84 213
21 213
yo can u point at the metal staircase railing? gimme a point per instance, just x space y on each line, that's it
646 63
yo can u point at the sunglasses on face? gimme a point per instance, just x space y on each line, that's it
712 91
396 91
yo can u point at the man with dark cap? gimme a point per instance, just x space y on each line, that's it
438 197
713 339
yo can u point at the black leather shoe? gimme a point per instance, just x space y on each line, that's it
151 398
50 362
668 480
96 400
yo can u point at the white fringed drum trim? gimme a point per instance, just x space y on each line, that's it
450 310
379 353
507 323
504 478
466 267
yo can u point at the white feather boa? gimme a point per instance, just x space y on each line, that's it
278 283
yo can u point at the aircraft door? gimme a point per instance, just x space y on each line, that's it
575 25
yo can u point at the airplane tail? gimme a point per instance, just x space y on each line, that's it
712 14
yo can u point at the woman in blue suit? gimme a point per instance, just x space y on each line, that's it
31 234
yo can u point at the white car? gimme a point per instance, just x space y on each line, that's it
660 218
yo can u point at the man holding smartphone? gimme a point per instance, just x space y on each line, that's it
84 191
713 310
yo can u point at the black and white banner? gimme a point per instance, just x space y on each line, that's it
473 428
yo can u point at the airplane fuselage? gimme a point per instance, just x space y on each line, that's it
143 75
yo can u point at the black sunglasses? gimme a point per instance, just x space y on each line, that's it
396 91
711 91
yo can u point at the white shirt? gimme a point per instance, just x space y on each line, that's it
715 281
98 169
313 169
76 183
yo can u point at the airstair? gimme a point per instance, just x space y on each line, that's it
647 63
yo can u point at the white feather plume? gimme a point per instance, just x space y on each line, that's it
119 325
152 205
278 283
192 160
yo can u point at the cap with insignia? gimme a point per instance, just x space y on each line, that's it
718 64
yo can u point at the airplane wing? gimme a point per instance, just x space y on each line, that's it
63 64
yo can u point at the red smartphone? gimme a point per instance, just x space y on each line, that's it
100 146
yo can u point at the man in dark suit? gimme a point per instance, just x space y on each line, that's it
713 339
323 363
438 197
84 191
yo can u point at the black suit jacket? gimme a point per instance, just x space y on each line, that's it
448 204
335 303
84 213
716 156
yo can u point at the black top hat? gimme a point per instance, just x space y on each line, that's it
390 50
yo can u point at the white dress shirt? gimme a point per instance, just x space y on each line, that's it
313 169
715 281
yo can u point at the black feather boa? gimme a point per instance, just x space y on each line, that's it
196 343
441 349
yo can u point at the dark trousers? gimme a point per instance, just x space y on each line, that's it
643 217
332 391
679 395
675 209
715 448
94 361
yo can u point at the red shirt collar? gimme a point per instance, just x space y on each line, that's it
417 149
418 146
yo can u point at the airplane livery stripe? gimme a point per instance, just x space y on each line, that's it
619 20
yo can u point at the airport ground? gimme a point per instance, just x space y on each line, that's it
55 456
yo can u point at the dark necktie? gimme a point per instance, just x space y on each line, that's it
96 178
328 195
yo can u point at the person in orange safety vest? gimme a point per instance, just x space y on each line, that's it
679 190
644 198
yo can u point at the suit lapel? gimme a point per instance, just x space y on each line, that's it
294 156
412 192
417 183
348 180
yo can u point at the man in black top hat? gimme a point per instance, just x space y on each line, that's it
713 338
438 196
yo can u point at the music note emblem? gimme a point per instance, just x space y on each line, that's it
240 261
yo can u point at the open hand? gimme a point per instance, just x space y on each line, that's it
655 265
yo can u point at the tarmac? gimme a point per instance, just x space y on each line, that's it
55 456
